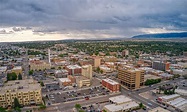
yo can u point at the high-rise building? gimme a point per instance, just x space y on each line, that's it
125 52
87 71
159 65
26 91
97 61
131 78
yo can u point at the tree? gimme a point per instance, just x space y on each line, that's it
2 109
16 103
141 105
17 109
41 83
11 76
101 71
77 106
19 77
42 107
31 72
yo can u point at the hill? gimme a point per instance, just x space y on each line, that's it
163 35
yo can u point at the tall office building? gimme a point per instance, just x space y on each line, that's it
26 91
87 71
159 65
97 61
131 78
125 52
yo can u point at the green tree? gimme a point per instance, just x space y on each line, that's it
17 109
41 83
16 103
42 107
11 76
2 109
78 106
31 72
19 77
141 105
101 71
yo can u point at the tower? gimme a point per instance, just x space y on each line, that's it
49 56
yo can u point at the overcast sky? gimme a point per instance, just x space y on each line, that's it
29 20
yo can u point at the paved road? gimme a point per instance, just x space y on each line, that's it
67 106
26 65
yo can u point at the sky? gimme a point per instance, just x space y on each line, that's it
36 20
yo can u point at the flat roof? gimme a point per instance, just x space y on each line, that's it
64 80
176 101
169 96
73 66
17 68
110 81
120 99
158 109
116 108
20 86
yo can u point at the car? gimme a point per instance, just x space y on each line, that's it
149 104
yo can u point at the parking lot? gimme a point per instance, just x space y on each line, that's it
76 95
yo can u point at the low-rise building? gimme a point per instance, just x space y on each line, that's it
111 85
39 65
27 92
61 73
82 81
65 82
110 59
168 98
3 69
105 69
73 69
166 76
17 70
158 109
121 104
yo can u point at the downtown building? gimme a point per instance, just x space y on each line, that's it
111 85
159 65
131 78
87 71
26 91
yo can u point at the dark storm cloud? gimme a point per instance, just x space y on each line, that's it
120 17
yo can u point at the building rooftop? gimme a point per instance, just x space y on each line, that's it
60 71
20 86
158 109
116 108
170 96
17 68
111 81
176 101
64 80
73 67
78 78
120 99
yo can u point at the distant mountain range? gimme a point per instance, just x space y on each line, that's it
163 35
